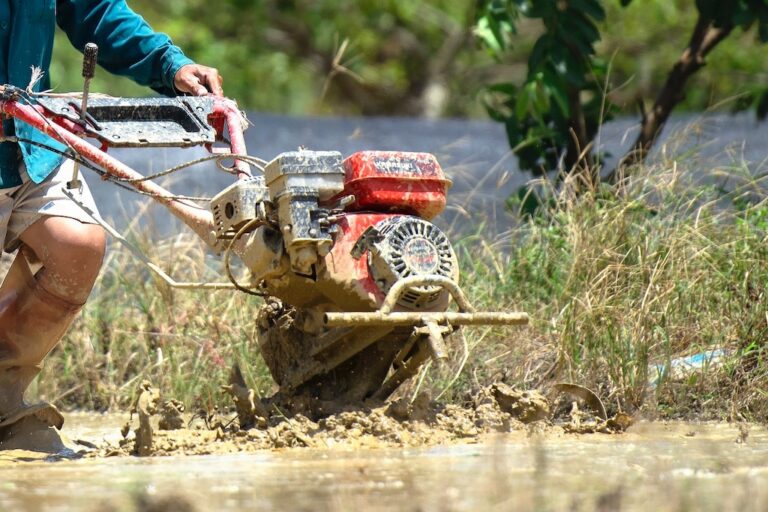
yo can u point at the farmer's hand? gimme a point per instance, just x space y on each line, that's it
198 80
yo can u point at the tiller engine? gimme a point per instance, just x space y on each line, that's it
358 280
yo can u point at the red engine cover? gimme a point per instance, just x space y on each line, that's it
394 182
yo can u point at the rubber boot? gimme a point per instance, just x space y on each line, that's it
32 321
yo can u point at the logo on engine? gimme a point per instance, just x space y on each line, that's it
421 256
396 166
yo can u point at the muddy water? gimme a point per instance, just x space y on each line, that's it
650 467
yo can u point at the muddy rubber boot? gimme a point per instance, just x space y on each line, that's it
32 321
34 428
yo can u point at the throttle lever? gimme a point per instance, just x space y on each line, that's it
90 55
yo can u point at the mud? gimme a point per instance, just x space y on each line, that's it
653 466
145 407
171 415
257 425
250 411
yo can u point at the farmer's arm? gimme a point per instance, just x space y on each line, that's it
128 46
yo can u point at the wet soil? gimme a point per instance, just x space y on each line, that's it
162 428
502 449
652 466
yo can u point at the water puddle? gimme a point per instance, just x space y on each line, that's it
653 466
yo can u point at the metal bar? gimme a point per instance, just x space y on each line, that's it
198 219
407 370
234 118
436 340
402 286
415 318
400 357
138 254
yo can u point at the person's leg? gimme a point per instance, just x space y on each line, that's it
36 308
55 268
70 253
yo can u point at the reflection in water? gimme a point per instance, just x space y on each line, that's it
653 467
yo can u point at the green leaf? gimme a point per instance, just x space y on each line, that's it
541 97
561 98
514 133
507 88
538 8
539 53
556 89
743 16
580 29
487 31
564 64
521 104
493 112
591 8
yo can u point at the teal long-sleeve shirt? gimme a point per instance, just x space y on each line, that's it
127 46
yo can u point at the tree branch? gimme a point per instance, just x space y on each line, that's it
706 36
444 60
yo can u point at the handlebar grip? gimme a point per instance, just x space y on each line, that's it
90 53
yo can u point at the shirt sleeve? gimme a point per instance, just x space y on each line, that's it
127 44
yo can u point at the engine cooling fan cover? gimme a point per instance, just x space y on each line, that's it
410 246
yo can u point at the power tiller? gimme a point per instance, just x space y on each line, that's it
357 281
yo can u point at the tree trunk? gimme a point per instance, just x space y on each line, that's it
578 157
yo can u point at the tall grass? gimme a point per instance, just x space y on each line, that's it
620 281
617 281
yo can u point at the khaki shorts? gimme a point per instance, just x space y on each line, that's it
22 206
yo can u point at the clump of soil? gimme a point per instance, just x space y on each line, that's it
172 415
145 407
527 406
405 422
250 411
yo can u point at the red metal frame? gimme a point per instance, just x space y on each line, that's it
71 134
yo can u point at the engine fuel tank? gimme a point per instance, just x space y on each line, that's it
396 182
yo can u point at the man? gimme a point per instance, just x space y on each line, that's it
60 249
